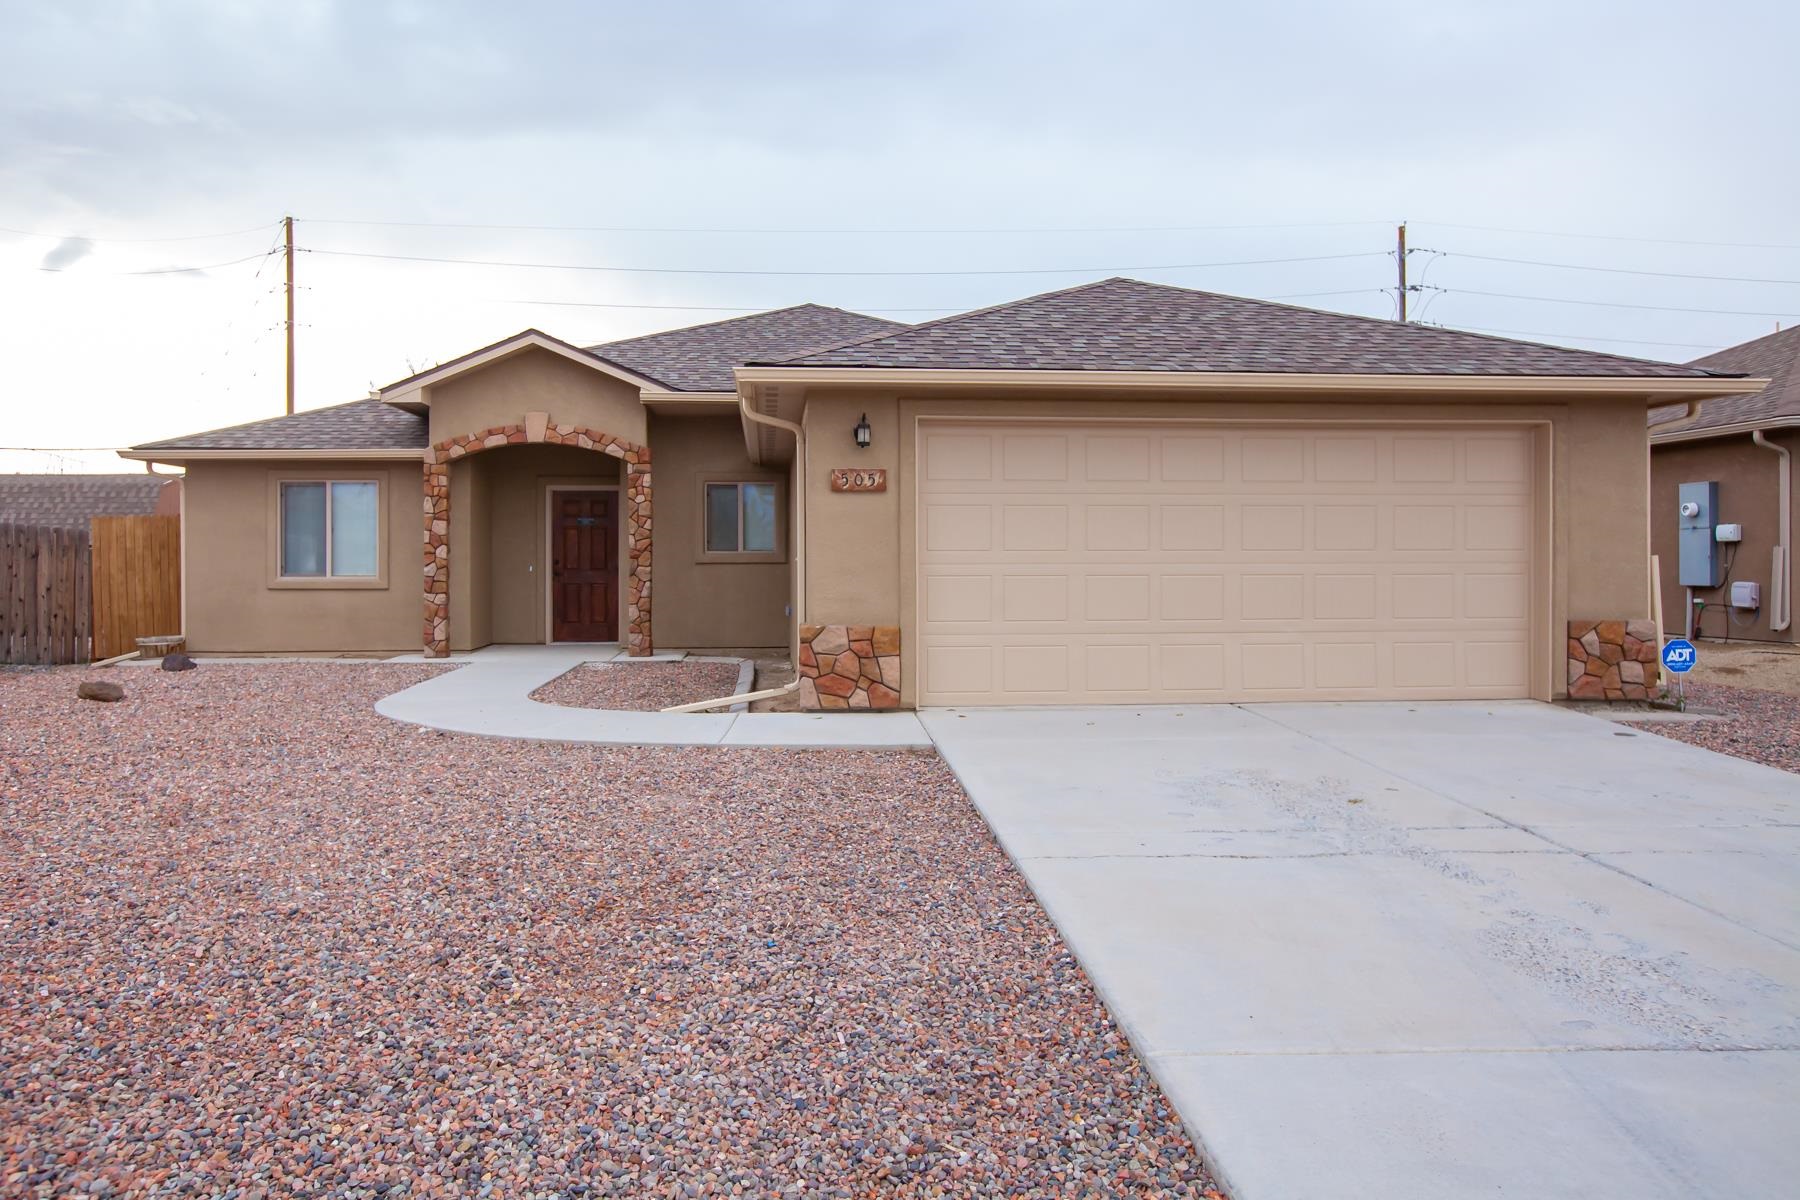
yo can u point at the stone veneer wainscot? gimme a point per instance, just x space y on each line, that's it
849 666
1613 660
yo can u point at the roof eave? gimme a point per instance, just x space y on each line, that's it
1653 388
1734 429
178 454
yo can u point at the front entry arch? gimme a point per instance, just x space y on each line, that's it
637 506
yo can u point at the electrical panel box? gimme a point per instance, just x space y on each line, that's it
1729 532
1700 561
1746 593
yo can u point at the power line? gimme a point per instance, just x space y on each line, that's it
866 308
167 270
840 231
539 266
192 237
1587 337
1533 262
1718 312
1615 237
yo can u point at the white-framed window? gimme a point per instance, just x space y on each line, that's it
330 528
743 518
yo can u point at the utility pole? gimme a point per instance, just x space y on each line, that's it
287 226
1399 261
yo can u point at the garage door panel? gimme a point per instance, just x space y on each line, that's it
1170 564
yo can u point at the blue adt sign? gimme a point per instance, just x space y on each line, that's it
1679 656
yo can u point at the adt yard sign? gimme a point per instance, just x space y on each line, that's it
1679 656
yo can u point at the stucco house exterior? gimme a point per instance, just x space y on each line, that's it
1746 444
1122 492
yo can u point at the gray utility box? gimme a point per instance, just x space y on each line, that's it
1700 562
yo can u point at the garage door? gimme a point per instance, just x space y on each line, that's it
1071 564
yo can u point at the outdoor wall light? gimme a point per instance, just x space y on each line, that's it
862 433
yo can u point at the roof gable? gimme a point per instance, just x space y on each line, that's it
700 358
1129 325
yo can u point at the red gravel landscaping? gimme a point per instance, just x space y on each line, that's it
255 937
1758 725
640 687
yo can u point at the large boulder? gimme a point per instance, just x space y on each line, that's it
103 690
178 662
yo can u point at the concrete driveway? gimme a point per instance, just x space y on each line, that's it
1430 951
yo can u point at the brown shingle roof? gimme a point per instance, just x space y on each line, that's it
1129 325
700 357
1775 357
70 501
358 425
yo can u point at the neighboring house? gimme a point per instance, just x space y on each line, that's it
71 501
1122 492
1746 444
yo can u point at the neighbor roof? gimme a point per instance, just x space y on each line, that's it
699 358
1777 357
358 425
70 501
1128 325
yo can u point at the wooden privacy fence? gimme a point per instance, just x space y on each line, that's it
44 595
74 596
137 581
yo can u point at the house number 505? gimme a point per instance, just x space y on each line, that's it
852 479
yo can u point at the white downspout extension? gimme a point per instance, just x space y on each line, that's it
788 689
1781 577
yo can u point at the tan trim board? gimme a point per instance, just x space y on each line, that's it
1649 387
402 390
176 457
695 399
1735 429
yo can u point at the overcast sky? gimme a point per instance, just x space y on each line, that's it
1075 141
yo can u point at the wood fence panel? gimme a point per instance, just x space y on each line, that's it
136 581
44 603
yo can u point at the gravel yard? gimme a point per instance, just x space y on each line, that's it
1763 726
254 937
640 687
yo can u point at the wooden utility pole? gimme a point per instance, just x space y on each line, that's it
1399 260
287 226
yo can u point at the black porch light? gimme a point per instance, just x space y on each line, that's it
862 433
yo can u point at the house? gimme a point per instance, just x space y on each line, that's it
1746 444
1120 492
71 501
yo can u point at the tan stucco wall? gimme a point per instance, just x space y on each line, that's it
1748 477
498 538
860 547
229 534
535 380
710 605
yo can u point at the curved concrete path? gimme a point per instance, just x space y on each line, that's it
490 694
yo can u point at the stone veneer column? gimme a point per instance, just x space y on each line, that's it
638 516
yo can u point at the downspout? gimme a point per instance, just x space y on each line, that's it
1781 580
750 414
1689 415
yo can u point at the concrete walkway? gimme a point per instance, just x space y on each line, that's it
490 694
1424 951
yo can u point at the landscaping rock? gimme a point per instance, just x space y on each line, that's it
178 662
103 690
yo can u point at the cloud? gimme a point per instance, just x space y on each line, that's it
66 254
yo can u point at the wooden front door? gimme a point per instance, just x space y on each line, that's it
584 566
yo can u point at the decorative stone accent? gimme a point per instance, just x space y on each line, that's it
1613 660
849 666
637 494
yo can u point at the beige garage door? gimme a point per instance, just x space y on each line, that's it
1066 564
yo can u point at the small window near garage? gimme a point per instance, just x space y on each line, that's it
330 529
742 518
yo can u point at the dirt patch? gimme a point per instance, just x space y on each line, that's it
1760 725
255 937
1764 666
640 687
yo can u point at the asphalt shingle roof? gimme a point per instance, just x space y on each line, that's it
358 425
700 357
1128 325
70 501
1775 358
